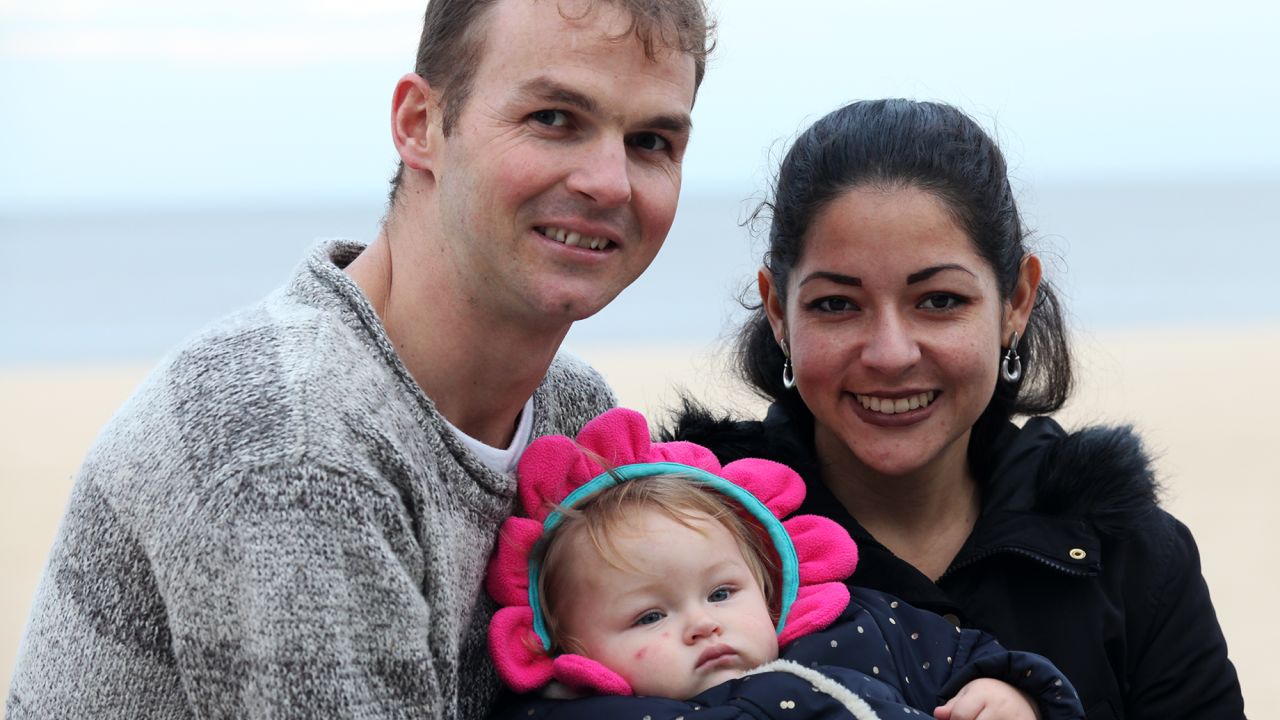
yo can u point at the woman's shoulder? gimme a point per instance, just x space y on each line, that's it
1101 472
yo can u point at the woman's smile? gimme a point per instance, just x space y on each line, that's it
895 404
888 410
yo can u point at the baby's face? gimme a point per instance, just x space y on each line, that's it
688 617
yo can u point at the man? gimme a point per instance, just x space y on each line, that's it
292 516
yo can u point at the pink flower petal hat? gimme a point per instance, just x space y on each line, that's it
815 554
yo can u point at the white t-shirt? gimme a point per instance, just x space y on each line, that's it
503 460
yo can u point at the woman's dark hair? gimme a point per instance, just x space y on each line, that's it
938 149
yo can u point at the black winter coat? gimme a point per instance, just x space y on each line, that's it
1071 558
880 658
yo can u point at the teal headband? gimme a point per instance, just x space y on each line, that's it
778 534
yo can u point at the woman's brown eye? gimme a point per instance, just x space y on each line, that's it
942 301
834 304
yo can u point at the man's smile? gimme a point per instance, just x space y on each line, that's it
574 239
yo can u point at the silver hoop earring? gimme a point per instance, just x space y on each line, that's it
788 372
1011 364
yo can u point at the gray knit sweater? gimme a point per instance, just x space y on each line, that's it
279 524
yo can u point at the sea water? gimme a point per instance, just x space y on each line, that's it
124 286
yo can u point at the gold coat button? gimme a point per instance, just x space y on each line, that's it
1077 554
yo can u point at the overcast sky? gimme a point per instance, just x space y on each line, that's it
150 102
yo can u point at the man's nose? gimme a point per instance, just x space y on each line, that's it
891 347
603 173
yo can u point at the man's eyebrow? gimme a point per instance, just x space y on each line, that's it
551 91
680 124
929 272
833 277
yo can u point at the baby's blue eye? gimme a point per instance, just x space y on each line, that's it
649 618
719 594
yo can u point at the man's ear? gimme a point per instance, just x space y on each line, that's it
415 121
771 299
1024 297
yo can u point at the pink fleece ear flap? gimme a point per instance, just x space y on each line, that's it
586 675
815 608
516 651
761 478
508 577
824 549
620 436
548 470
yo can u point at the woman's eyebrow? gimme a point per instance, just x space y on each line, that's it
913 278
929 272
833 277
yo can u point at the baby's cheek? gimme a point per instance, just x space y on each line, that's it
652 649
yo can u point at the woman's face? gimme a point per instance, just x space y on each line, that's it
895 325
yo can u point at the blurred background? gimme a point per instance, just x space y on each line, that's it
164 163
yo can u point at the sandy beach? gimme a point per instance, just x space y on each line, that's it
1191 393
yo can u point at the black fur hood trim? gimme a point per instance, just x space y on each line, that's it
1100 472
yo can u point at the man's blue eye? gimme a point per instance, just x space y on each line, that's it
650 141
552 118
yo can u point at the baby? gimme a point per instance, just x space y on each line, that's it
650 581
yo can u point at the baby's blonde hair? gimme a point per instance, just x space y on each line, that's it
681 499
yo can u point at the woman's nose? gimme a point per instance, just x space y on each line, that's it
891 346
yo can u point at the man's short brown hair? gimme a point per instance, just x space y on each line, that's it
453 33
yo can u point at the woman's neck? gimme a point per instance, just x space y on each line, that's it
923 517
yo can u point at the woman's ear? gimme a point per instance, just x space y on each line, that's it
1024 296
416 115
771 297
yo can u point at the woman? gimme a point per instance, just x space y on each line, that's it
903 323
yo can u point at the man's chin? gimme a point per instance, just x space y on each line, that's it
581 306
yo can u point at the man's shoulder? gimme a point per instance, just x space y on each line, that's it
572 393
268 351
263 385
567 369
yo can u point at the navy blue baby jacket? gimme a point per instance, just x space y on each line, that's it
881 658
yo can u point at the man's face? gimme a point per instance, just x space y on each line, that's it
558 184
